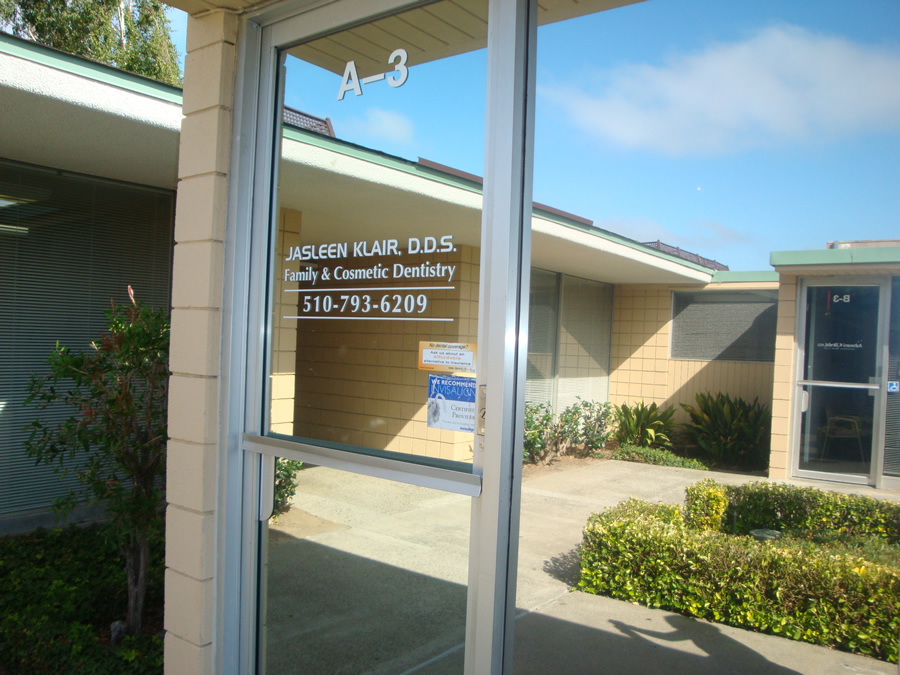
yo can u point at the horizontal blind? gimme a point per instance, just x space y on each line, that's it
543 321
724 325
584 342
68 246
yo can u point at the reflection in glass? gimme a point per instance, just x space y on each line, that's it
585 336
376 255
543 331
841 333
836 430
364 575
569 332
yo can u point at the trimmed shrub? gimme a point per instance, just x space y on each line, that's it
657 456
59 592
793 508
791 589
644 425
285 483
637 509
705 505
730 430
541 433
584 424
587 424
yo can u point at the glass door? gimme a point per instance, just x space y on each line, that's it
890 470
374 286
840 388
380 250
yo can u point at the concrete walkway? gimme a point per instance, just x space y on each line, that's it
365 575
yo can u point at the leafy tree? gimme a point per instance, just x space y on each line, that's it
115 442
129 34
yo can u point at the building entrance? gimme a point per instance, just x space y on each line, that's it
841 423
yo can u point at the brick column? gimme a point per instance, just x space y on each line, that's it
783 381
196 331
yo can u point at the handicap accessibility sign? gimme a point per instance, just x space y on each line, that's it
893 386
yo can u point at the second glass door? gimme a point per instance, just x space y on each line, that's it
840 388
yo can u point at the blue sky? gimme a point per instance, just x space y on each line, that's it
729 129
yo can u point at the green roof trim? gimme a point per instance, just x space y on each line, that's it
84 67
619 239
399 164
736 277
836 256
379 158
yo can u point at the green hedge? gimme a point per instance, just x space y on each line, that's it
649 554
657 456
791 508
59 592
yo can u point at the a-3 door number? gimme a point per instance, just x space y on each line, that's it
352 82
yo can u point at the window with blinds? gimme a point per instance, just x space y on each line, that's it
569 334
584 342
543 330
68 246
724 325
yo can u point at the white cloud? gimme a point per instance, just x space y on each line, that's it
783 85
381 125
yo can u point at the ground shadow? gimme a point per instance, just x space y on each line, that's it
546 644
333 612
329 611
565 567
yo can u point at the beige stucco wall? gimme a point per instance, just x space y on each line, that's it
640 363
196 329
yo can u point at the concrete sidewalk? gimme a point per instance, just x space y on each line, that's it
366 575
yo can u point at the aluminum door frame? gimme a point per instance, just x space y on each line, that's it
875 477
247 457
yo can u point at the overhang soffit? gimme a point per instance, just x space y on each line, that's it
428 33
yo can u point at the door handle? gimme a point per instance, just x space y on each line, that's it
875 380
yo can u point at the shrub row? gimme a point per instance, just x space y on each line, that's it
730 430
741 508
59 592
657 456
644 425
583 425
648 554
726 430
